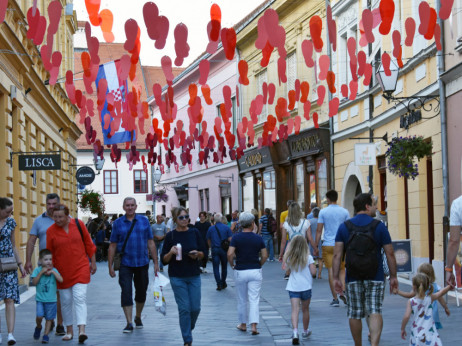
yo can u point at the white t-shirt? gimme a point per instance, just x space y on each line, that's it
171 225
302 280
301 229
456 212
332 217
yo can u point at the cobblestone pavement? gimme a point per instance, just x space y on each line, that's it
218 319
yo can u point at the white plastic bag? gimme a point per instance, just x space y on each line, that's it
162 280
159 299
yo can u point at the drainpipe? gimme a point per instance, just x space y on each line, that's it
331 120
444 133
444 137
239 182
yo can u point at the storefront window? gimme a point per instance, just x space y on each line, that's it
321 166
300 179
269 185
248 193
259 193
313 188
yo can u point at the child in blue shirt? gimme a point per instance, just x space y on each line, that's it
44 278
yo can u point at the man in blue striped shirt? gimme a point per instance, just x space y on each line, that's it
266 234
135 260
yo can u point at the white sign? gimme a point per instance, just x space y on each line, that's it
365 154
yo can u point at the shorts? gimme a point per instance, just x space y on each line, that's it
364 297
47 310
328 255
304 295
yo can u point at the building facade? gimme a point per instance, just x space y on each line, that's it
35 118
415 208
294 167
452 77
211 187
117 180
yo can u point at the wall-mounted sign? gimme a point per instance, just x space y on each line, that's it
407 120
39 162
403 255
365 154
85 175
254 159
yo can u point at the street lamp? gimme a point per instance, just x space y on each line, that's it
99 163
413 104
388 81
157 175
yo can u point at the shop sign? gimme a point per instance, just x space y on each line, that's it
39 162
255 159
85 175
224 183
305 144
365 154
403 254
409 119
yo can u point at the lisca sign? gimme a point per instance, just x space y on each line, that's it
39 162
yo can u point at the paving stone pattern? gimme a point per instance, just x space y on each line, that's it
218 319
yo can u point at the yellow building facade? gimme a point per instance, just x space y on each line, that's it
296 168
35 117
415 208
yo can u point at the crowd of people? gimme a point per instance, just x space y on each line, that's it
69 249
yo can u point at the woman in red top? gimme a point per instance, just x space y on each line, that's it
71 251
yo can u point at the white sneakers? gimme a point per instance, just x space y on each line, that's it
307 334
295 339
11 339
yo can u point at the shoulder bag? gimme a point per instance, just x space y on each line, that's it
8 264
224 243
118 255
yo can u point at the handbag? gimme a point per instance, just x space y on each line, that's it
8 264
118 255
224 243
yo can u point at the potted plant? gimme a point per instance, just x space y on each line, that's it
160 195
401 153
92 201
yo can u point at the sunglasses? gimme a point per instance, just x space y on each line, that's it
183 217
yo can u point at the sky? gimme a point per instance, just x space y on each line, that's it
195 14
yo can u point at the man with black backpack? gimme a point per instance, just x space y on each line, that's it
360 239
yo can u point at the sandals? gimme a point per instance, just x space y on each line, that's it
255 332
67 337
82 338
241 329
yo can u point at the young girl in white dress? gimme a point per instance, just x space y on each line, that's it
423 328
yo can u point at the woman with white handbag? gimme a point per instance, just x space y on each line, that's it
9 263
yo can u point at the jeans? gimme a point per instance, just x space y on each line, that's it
159 246
248 285
137 275
74 298
219 257
187 293
268 240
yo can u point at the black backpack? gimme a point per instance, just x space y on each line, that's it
361 251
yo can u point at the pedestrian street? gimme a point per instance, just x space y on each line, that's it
218 318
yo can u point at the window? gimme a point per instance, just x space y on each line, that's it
419 41
111 185
262 78
291 70
204 199
300 181
140 181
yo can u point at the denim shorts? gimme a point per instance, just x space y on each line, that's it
304 295
47 310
